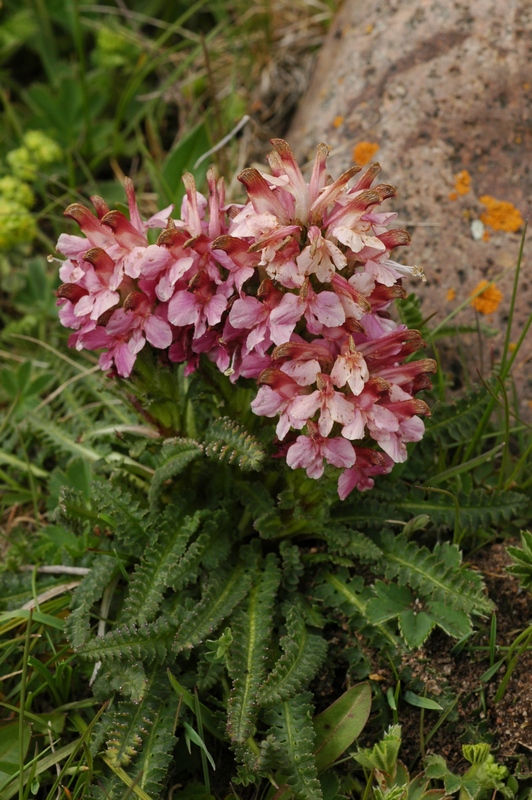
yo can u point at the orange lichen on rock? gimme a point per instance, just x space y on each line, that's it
450 296
500 215
489 298
363 152
337 121
462 184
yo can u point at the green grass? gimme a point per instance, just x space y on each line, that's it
91 94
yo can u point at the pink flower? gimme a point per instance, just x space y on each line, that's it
309 452
277 395
257 290
234 255
203 305
320 257
368 464
101 281
318 309
350 368
256 316
333 406
387 272
302 360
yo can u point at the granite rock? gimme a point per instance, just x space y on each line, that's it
443 90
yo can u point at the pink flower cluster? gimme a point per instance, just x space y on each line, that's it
291 289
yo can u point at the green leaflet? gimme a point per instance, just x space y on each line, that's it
477 509
366 512
158 569
457 422
228 441
247 661
174 456
129 680
439 576
140 735
152 765
188 568
410 313
383 755
522 558
59 438
77 625
339 725
303 653
352 597
219 599
347 542
124 514
131 643
291 725
415 620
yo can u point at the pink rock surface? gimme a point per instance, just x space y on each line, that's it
440 87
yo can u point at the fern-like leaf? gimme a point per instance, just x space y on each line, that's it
522 558
59 438
347 542
366 512
150 769
123 678
476 509
303 653
131 643
410 313
457 421
125 516
174 456
228 441
77 625
438 576
134 728
251 638
291 725
158 569
220 597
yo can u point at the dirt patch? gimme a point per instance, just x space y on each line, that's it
456 680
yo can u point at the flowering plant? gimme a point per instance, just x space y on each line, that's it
291 289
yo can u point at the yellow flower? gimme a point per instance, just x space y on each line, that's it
489 298
450 296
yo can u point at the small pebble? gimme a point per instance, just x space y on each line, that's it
477 229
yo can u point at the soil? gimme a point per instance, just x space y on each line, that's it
475 717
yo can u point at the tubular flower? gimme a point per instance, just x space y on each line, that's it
291 289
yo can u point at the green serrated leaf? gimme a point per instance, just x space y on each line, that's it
291 725
415 627
455 623
228 441
219 599
303 653
247 660
159 568
174 456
